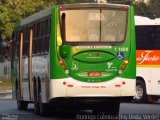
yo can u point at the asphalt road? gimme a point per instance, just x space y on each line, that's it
128 111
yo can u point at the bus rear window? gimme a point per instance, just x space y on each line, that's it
94 25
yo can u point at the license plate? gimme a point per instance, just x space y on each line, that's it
94 74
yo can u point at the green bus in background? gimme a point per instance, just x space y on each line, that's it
75 55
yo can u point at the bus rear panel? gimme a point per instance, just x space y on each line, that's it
93 51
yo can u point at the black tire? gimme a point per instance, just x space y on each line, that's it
36 102
22 105
141 95
44 108
16 88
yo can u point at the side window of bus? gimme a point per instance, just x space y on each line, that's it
36 38
157 37
41 37
144 38
46 35
43 32
26 42
17 40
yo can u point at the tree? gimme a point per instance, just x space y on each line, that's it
151 9
141 8
14 10
154 6
120 1
73 1
1 49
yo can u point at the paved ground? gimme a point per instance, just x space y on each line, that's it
127 112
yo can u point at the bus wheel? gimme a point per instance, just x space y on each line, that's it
22 105
141 95
44 108
36 102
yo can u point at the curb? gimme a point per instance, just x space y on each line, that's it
5 94
5 91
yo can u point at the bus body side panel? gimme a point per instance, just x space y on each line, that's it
131 69
155 77
149 70
148 49
145 73
55 68
55 71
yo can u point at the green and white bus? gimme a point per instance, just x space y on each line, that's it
80 55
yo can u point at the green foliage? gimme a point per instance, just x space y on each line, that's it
5 83
154 6
73 1
64 1
14 10
128 2
85 1
1 54
150 9
140 8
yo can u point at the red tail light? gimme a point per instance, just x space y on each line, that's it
97 54
60 8
63 67
61 61
125 7
123 82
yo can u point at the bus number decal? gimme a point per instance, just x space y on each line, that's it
121 49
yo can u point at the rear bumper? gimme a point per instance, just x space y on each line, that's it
87 102
69 87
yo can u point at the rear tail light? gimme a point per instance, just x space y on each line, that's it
89 54
123 82
123 67
61 61
125 7
63 67
97 54
64 83
126 61
60 8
